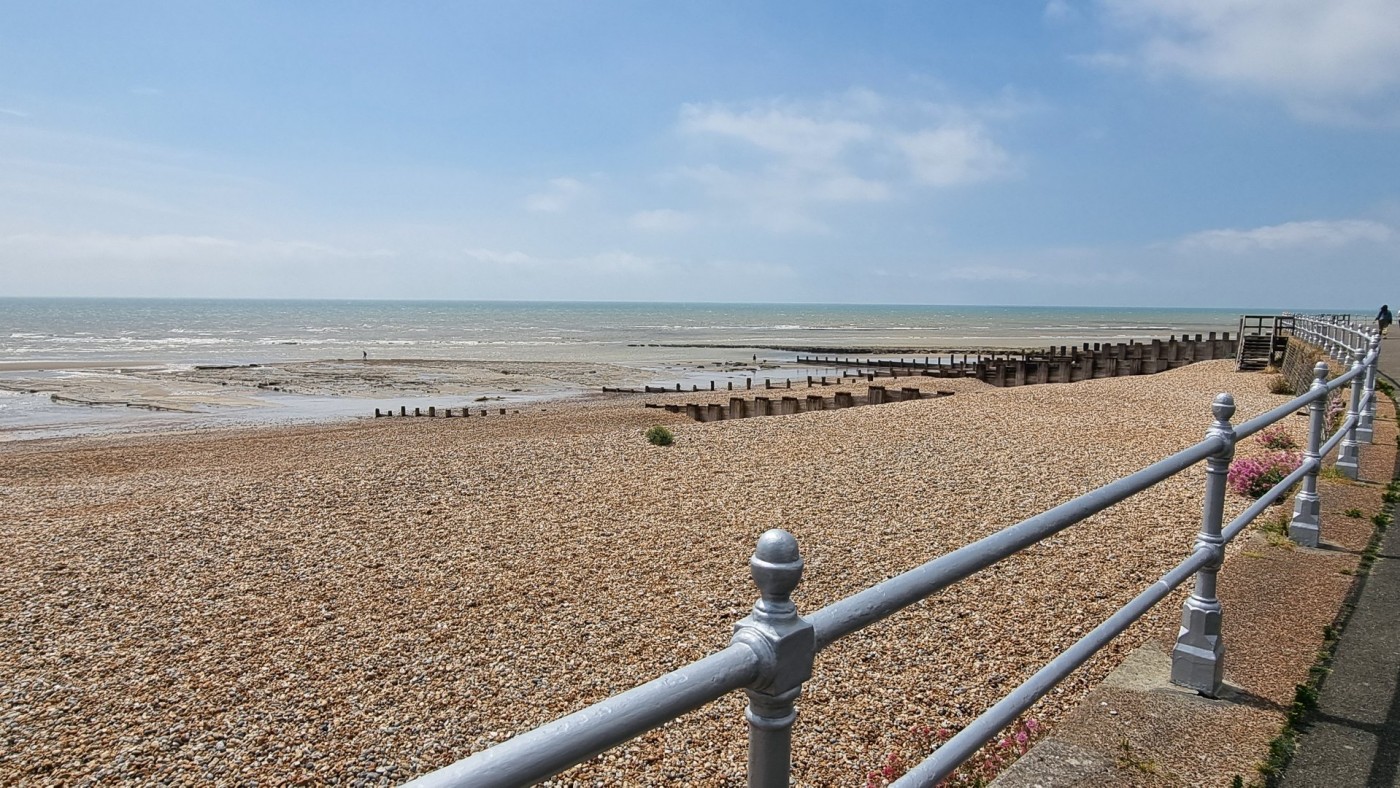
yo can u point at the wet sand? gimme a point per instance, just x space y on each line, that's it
75 398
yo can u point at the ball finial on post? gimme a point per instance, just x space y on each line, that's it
1321 371
776 567
1223 408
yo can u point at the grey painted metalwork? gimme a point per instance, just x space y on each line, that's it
957 749
772 650
873 604
1365 431
786 649
1349 460
1306 526
554 747
1198 658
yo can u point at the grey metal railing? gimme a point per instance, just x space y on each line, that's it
772 650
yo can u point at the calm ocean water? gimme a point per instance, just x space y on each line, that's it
180 331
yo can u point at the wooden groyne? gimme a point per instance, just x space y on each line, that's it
747 384
433 412
741 408
1063 364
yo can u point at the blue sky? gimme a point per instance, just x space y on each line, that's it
1075 152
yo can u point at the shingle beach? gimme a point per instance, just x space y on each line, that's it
370 601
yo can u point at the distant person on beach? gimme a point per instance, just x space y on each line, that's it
364 355
1384 319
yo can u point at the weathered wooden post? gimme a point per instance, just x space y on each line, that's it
432 411
748 383
417 412
715 412
376 413
1306 526
737 409
1198 658
403 410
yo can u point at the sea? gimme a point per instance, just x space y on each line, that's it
42 337
201 331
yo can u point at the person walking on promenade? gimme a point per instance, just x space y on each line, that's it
1384 319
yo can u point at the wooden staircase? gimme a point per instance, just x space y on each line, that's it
1263 340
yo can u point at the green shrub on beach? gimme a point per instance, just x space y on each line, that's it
659 436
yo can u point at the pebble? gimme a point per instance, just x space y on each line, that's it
408 592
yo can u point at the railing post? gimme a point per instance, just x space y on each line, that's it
786 647
1365 431
1306 526
1198 659
1349 458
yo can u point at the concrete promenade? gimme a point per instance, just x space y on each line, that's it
1354 739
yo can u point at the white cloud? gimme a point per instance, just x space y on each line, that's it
1332 60
1104 60
613 262
108 264
784 129
560 195
954 155
662 220
13 112
775 200
989 273
780 162
494 257
1059 11
194 250
1291 236
850 188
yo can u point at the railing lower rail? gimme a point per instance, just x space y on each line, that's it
773 649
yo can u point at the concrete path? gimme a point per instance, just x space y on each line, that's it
1390 356
1354 740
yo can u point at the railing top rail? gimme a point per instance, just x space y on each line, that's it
551 748
859 610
